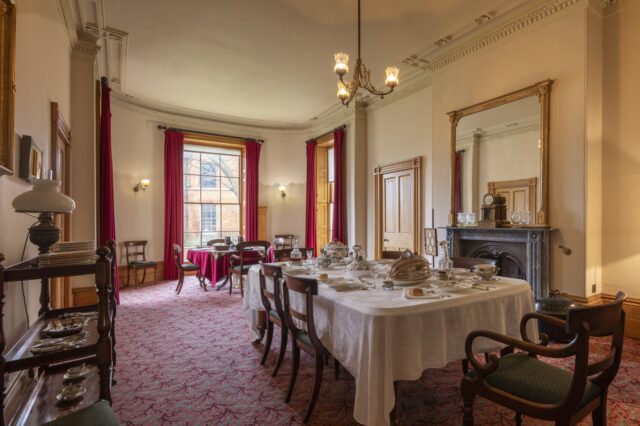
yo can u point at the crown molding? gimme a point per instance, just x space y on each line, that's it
69 20
174 117
415 87
418 79
517 25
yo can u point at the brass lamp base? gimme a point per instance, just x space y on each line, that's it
45 233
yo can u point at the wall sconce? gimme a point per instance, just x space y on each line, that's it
283 191
142 185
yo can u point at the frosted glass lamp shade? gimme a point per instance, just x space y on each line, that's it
342 63
45 197
392 77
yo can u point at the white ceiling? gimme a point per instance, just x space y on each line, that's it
273 60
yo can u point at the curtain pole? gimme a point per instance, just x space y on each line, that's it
161 127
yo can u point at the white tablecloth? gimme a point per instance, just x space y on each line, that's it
381 337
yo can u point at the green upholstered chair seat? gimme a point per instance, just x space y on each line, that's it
274 314
304 337
190 267
142 263
534 380
98 414
245 268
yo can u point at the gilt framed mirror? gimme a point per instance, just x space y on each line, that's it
7 84
501 147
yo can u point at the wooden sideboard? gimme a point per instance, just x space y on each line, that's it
36 402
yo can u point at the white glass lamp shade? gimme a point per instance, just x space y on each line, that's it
343 92
342 63
45 197
282 188
392 77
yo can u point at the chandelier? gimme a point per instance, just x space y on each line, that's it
361 76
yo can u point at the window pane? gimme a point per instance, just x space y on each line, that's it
230 190
209 218
331 165
229 165
210 195
192 218
209 182
191 163
192 239
209 165
230 218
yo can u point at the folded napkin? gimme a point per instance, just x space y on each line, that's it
349 287
483 287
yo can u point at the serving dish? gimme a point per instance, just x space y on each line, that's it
64 327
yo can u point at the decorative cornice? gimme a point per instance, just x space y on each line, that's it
208 122
417 80
85 48
407 91
516 25
68 19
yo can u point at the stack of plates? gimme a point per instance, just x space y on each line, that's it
73 246
80 257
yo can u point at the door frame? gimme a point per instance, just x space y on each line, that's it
378 176
60 131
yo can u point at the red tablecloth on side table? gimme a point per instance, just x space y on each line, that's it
211 268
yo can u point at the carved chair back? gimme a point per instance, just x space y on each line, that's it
135 250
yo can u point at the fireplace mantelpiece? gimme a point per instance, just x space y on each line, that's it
520 252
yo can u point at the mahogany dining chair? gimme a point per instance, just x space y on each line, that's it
272 302
186 267
307 340
248 253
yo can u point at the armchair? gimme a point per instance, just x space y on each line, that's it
523 383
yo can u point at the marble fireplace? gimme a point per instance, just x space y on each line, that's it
520 252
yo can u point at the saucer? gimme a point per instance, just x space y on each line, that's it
71 393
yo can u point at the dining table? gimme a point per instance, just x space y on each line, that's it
214 264
380 336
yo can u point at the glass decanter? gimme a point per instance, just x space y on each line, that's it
445 265
296 254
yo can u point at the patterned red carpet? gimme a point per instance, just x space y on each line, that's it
187 360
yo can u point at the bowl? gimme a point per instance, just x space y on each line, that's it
485 271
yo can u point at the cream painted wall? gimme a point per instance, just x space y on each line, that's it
553 49
621 151
398 132
42 76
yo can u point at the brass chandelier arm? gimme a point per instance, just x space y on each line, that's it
362 79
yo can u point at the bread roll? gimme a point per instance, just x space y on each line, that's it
416 292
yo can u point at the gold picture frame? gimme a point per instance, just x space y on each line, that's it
542 90
7 84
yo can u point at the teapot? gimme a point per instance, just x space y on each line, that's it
336 251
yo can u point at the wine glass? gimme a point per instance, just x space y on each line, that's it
516 217
380 273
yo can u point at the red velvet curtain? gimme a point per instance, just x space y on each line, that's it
310 218
338 225
107 225
173 193
251 194
458 183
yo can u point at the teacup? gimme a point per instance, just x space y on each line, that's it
485 271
